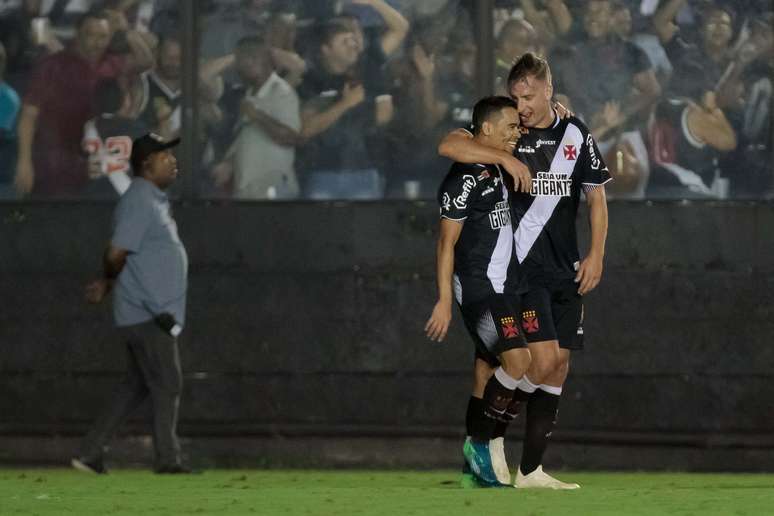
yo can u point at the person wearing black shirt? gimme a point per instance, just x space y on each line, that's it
563 159
475 249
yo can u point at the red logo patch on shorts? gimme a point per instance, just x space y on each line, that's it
570 153
530 321
510 329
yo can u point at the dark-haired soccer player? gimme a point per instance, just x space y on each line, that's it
563 160
475 250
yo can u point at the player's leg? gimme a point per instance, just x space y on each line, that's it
540 334
497 329
543 405
474 414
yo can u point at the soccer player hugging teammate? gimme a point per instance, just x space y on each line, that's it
475 252
563 159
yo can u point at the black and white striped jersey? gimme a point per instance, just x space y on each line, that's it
107 142
563 159
475 195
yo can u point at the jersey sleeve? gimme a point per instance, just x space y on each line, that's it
594 171
456 195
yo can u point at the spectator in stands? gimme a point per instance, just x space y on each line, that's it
623 26
686 140
9 110
337 118
749 168
617 90
162 89
551 19
60 100
107 141
414 132
25 40
516 37
281 37
375 48
698 65
260 128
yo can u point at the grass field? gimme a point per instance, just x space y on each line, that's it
395 493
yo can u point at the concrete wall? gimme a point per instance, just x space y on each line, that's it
306 320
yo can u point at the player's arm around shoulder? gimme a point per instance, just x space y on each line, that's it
459 145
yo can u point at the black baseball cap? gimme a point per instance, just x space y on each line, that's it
146 145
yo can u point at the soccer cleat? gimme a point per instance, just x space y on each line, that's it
468 480
480 461
541 480
93 466
499 464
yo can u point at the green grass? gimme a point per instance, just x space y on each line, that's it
394 493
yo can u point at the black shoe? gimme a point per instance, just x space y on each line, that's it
89 466
175 469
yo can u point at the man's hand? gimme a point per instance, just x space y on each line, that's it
248 110
97 290
438 324
352 95
589 274
519 172
562 111
424 63
25 176
221 173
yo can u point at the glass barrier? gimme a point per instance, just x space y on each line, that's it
677 94
332 100
348 99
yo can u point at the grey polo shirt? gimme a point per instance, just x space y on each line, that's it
155 277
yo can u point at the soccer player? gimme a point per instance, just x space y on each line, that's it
475 250
563 159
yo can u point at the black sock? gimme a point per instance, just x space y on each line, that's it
497 397
474 413
514 409
542 409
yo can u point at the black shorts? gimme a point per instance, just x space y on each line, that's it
493 323
553 311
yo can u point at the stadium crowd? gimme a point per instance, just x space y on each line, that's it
324 99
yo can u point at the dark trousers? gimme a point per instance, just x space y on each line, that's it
153 364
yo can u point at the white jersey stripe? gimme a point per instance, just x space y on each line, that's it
540 211
497 272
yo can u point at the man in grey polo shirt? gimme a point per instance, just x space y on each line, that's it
148 264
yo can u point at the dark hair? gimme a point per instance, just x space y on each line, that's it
251 42
529 65
330 30
487 108
168 37
93 14
109 96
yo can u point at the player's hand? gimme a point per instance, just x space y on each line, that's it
589 274
25 176
438 324
519 172
97 290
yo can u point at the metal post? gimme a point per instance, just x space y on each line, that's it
189 156
484 30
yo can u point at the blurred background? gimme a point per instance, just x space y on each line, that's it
304 344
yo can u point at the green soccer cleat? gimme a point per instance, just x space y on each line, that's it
479 460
